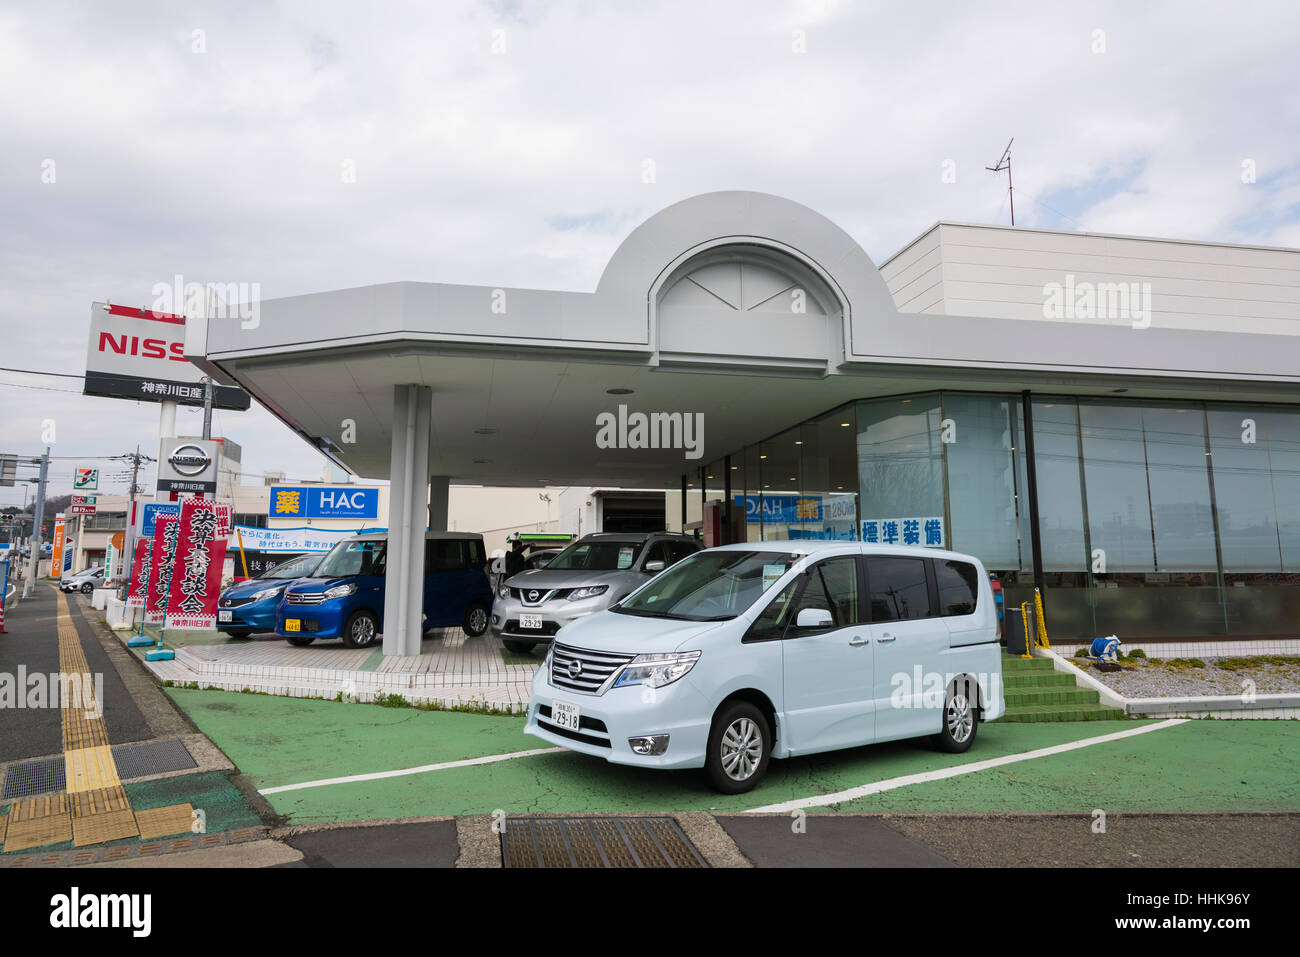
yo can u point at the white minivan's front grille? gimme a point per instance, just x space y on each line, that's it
581 670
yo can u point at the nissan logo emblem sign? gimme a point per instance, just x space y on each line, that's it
575 668
189 460
187 465
532 595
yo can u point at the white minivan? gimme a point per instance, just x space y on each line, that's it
762 650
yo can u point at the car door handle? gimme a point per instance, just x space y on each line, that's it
859 641
885 638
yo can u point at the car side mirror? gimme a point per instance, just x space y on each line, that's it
814 618
655 566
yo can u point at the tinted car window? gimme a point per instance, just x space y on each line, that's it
658 552
601 556
477 556
898 588
958 587
443 555
771 623
833 586
679 550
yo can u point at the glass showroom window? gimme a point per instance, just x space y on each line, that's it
1061 518
1119 506
976 432
900 464
1256 469
828 464
753 485
779 468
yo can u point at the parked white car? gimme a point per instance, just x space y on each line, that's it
763 650
83 581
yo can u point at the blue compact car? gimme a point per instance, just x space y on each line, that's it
344 598
249 606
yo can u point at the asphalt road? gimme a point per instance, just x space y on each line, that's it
32 643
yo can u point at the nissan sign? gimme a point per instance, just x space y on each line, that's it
187 465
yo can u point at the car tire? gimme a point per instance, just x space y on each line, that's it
961 721
476 619
87 588
740 746
518 647
301 641
242 635
361 630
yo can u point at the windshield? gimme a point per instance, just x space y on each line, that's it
602 556
709 585
353 558
300 567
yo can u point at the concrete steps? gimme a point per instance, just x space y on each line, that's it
1034 691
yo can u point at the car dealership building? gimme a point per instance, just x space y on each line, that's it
1116 418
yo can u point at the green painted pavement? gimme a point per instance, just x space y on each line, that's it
223 805
275 740
1199 765
1202 765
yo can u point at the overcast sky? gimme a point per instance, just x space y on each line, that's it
505 144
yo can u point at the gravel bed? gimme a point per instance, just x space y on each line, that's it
1153 678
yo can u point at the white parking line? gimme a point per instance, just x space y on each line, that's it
907 780
402 772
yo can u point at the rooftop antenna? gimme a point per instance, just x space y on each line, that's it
1005 164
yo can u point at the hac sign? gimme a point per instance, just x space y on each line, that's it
323 502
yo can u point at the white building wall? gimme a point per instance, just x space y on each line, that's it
1004 272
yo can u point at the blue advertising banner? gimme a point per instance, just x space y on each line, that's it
927 531
310 502
151 513
780 509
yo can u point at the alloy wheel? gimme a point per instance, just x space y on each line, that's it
958 718
742 747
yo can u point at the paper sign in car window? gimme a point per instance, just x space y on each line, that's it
770 575
625 557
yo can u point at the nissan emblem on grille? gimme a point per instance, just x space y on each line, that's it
532 595
575 668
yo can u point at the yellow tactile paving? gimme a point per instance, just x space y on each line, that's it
90 768
37 821
101 815
162 821
4 825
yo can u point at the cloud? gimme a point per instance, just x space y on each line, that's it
505 144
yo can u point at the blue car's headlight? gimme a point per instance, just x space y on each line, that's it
341 591
657 670
591 591
267 593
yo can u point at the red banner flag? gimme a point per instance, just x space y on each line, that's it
160 569
139 574
200 554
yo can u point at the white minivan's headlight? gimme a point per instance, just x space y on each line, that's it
341 591
591 591
657 670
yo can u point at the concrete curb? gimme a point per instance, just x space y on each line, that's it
1191 705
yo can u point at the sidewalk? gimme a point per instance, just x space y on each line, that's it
456 669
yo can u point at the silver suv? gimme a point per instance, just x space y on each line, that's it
589 575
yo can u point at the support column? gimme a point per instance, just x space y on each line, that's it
1031 480
408 499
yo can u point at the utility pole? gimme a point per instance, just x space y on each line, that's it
136 460
37 518
207 407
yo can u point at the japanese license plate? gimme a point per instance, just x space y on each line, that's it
293 624
564 715
225 616
530 621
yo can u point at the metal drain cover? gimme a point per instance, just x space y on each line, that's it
48 775
151 757
596 842
34 777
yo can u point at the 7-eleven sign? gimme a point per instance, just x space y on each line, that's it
86 480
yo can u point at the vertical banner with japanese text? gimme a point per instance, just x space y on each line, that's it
139 574
200 553
160 569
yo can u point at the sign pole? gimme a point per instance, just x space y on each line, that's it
140 640
160 653
243 559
